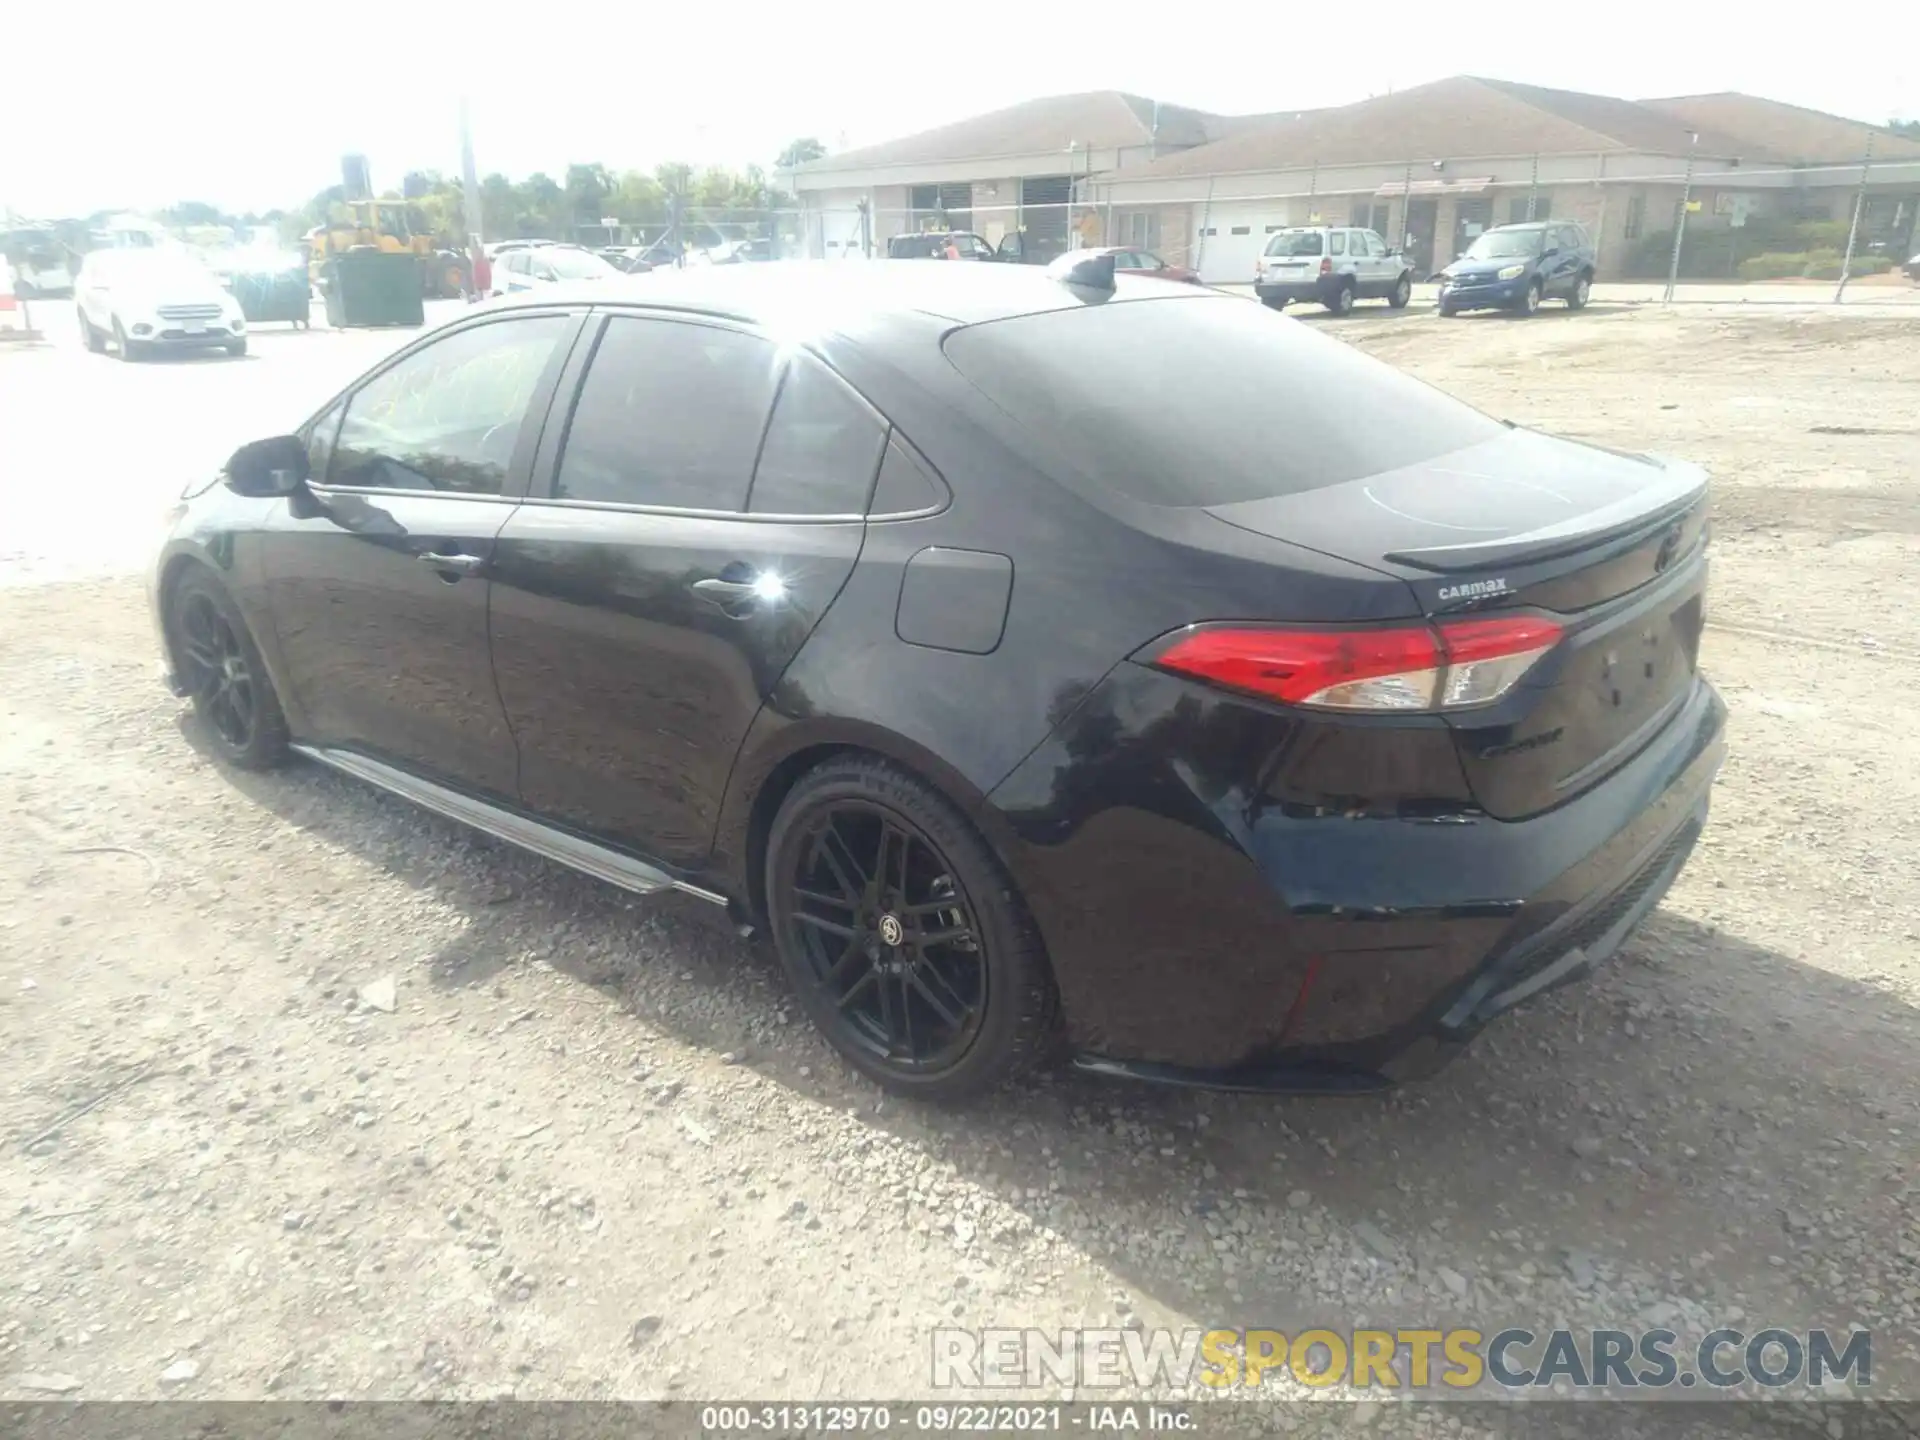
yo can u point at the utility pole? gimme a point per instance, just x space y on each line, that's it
1680 225
1853 230
469 179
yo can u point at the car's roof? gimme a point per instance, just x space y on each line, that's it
818 292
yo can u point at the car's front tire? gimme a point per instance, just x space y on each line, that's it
237 348
1402 292
220 666
95 341
904 938
1529 301
1340 302
129 351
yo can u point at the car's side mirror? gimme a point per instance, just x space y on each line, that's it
268 468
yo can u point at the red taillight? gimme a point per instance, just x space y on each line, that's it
1450 665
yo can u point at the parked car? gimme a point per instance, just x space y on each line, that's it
39 262
1333 265
733 252
1024 656
634 259
1142 262
1515 267
148 301
941 245
536 266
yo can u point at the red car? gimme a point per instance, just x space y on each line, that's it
1144 262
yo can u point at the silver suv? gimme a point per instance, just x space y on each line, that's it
1333 265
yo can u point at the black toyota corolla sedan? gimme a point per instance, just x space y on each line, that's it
1037 656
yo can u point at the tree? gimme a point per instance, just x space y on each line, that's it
193 212
799 152
587 188
1908 128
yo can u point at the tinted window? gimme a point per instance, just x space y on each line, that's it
517 262
1339 242
1295 242
670 414
821 449
1376 247
448 417
1205 401
906 483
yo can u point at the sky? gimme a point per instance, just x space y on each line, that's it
251 107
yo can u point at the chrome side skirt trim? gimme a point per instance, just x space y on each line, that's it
585 856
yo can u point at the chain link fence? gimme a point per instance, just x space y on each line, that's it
1793 229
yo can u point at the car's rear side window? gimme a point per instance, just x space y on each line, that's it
822 447
1206 401
670 414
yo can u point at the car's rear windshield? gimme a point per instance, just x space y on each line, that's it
1296 242
1206 401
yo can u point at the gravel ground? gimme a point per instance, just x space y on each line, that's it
309 1094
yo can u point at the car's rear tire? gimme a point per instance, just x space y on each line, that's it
1529 301
1340 302
220 666
1582 291
95 341
1402 292
1274 302
904 938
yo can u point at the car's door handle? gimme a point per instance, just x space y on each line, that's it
735 597
452 567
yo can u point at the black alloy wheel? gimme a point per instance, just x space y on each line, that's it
902 936
221 669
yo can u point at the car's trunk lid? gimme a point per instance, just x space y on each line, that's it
1612 545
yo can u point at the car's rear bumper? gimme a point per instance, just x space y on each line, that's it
1289 289
1279 947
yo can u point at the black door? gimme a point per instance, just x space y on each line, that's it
647 602
377 579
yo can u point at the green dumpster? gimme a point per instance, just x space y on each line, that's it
281 294
366 286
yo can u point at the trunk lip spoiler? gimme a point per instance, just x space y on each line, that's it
1684 489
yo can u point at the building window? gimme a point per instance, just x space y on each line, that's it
1517 208
1137 229
1210 231
1636 217
1241 230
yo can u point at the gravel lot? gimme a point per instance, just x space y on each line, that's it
586 1147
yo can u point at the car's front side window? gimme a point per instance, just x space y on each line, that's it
670 414
448 417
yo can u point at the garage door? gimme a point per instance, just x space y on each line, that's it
1231 238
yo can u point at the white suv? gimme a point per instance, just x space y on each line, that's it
1332 265
148 300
